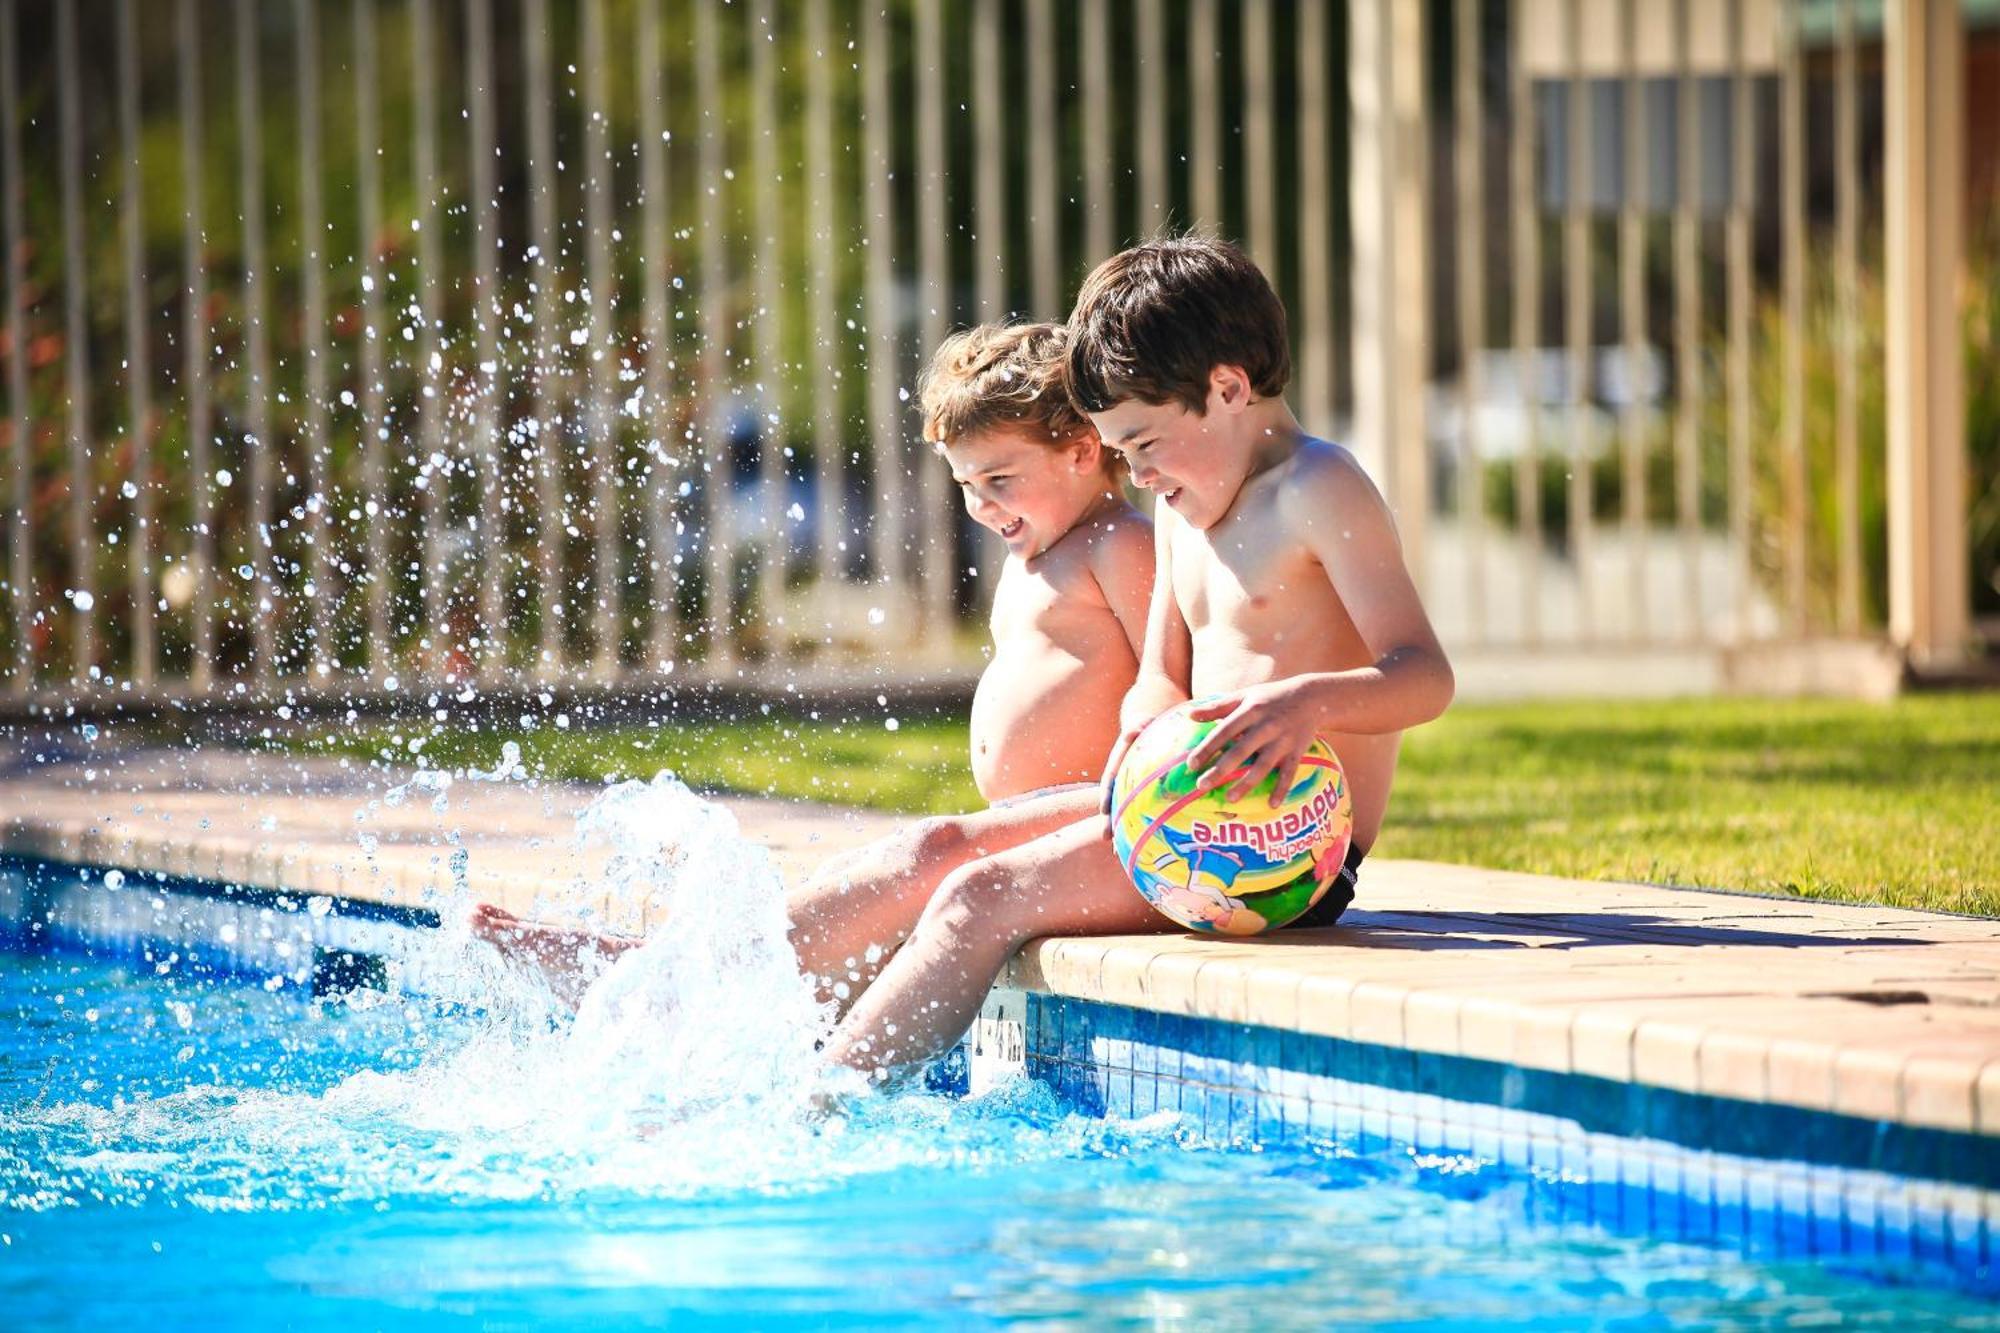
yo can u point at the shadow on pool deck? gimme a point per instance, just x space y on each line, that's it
1580 929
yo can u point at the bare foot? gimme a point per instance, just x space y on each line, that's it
570 960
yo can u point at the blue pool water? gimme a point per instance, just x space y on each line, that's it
188 1152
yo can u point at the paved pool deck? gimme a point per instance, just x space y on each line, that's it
1874 1012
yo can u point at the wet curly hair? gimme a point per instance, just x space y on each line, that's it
1001 377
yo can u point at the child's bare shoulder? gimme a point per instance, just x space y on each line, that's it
1325 488
1320 470
1113 535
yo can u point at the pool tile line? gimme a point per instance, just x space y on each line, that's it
1932 1066
1769 1179
1072 1039
171 924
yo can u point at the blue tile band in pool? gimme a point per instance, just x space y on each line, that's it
171 922
1772 1180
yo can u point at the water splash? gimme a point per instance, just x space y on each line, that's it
689 1067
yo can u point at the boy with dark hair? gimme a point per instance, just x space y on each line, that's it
1281 597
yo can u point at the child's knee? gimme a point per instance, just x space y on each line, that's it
974 901
937 841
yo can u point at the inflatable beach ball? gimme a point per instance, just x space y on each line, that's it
1234 868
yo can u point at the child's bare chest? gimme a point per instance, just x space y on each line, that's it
1249 582
1047 603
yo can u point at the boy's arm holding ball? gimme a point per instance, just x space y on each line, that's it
1332 507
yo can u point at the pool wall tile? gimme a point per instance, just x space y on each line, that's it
1542 1040
1377 1013
1430 1021
1600 1043
1629 1156
1664 1054
1220 990
1867 1083
1733 1064
1940 1093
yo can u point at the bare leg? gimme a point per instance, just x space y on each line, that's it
847 919
1066 883
850 917
569 959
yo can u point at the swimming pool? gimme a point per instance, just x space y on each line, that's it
321 1134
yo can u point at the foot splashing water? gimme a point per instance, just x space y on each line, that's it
705 1035
688 1068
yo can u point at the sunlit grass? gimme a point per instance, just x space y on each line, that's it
1896 803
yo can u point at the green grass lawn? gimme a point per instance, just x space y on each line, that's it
1896 803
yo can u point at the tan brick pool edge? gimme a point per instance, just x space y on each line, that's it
1871 1012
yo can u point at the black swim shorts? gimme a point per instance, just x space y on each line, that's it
1338 895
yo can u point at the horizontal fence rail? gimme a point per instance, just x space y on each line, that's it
447 339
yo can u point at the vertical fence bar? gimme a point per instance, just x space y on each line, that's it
195 345
1687 317
1736 260
989 179
1847 324
262 610
603 346
487 435
1151 139
431 474
829 503
713 391
546 406
1525 225
1579 301
1469 230
1044 215
1792 249
897 529
1637 196
76 363
1387 192
663 584
772 373
376 574
21 525
1930 598
1204 114
317 526
138 356
1099 227
1260 146
934 275
1316 342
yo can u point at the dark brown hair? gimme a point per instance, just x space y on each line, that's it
1151 322
1000 376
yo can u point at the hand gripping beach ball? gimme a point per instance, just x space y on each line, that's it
1233 868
